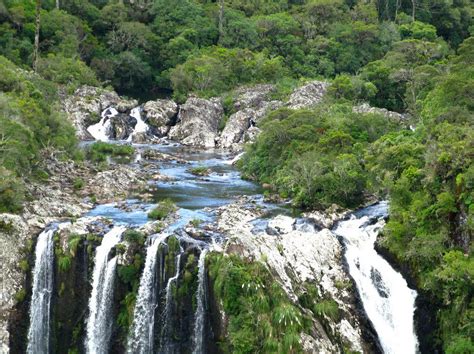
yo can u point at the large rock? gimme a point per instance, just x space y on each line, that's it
366 108
198 122
308 95
298 256
160 115
85 106
252 104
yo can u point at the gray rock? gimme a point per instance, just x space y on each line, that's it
366 108
198 122
308 95
84 107
252 104
160 115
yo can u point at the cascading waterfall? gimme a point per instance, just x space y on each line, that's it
201 301
141 126
141 337
99 322
386 297
39 331
166 344
101 131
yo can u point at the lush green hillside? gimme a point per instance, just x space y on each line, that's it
414 57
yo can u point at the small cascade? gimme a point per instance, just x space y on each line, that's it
99 322
166 344
40 326
386 297
199 317
140 127
141 337
101 131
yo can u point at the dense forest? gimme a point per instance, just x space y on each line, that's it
413 57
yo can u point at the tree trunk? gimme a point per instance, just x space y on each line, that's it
37 35
413 6
221 20
57 4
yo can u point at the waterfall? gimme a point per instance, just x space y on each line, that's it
99 322
386 297
101 131
141 337
141 126
201 301
167 324
38 333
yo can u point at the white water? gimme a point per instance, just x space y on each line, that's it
200 311
39 331
166 344
386 297
141 336
99 322
101 131
141 126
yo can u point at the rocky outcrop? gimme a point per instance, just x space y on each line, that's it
298 255
160 115
251 104
198 122
366 108
85 106
308 95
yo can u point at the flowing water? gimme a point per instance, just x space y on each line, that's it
200 316
141 126
40 311
141 337
386 297
100 321
101 130
166 340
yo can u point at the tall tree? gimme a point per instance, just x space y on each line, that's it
221 20
37 34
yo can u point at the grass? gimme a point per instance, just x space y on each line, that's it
98 152
162 210
200 171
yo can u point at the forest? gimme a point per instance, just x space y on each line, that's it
414 57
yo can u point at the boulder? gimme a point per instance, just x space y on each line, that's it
198 122
252 104
84 107
308 95
122 126
366 108
160 115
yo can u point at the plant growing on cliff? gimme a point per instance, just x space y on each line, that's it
261 317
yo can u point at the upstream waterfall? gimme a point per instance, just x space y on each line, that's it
40 326
386 297
100 321
201 301
101 130
141 337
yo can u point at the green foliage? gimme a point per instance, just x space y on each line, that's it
248 292
134 237
20 295
315 156
218 69
162 210
78 183
64 262
11 192
99 151
199 171
73 243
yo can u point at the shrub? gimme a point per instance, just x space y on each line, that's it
78 183
134 236
99 151
162 210
11 192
